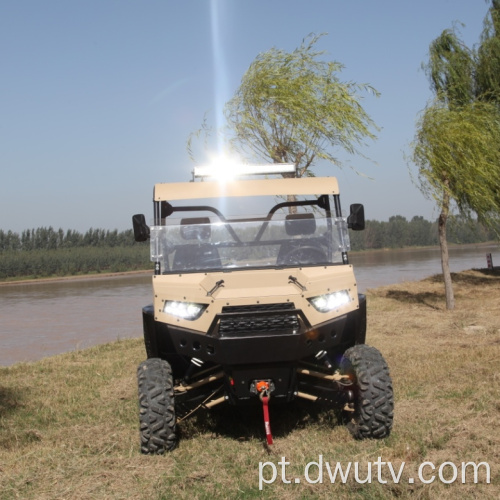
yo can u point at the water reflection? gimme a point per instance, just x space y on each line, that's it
41 319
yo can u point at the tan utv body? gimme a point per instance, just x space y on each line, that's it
247 306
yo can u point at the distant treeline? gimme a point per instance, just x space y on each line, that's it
47 238
45 252
399 232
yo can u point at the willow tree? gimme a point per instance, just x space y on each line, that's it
450 71
456 147
292 107
458 160
488 57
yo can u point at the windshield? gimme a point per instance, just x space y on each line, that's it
212 242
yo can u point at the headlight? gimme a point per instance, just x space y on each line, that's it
330 301
184 310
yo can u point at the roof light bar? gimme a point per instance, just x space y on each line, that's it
239 170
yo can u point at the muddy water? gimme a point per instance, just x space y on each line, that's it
380 268
46 318
41 319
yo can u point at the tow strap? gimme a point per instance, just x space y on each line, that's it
267 424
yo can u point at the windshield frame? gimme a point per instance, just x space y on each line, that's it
333 242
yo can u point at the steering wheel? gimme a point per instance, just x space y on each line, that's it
304 255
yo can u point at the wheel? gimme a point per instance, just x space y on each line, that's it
373 396
304 255
156 406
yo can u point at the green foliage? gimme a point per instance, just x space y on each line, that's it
44 252
488 57
457 152
457 148
450 69
293 108
457 140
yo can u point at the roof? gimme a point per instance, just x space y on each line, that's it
252 187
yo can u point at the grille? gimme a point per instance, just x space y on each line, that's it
237 321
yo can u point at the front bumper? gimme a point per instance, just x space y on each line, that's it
281 346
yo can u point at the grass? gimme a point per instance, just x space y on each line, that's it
69 426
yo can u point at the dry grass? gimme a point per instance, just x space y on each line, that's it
68 424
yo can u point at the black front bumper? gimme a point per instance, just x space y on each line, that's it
280 346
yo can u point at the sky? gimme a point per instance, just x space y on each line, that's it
99 97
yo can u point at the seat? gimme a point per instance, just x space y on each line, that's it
300 250
300 224
196 256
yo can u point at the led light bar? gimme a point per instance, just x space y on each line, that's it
239 169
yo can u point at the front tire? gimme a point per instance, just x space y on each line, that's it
372 392
156 406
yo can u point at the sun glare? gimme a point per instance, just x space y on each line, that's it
222 168
220 70
225 168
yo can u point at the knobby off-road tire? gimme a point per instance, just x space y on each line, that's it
373 395
156 406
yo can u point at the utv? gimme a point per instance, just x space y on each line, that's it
255 302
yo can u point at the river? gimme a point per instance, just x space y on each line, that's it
50 317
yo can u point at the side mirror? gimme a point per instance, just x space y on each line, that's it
141 229
356 219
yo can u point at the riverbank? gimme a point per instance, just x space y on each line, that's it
484 247
68 423
76 277
67 261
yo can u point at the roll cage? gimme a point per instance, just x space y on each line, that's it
309 235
